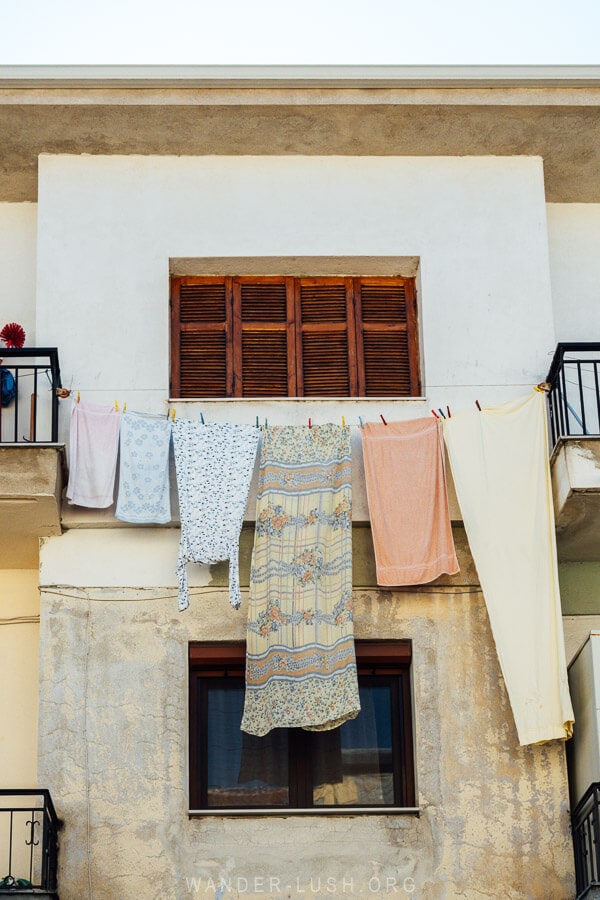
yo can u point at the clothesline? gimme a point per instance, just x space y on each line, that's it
302 550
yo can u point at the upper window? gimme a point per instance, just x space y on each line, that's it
294 337
365 764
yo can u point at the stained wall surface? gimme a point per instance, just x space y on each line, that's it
113 750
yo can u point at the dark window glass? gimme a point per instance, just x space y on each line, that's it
366 763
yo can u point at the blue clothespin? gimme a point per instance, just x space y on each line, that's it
202 419
362 424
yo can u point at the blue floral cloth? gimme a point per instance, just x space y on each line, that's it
144 494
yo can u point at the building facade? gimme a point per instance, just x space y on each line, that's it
481 188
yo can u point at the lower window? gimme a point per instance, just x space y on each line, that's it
366 764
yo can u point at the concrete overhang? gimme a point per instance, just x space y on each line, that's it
30 490
549 112
575 469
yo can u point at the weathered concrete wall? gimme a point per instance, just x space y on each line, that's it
113 746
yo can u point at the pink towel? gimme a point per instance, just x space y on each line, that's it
408 504
93 448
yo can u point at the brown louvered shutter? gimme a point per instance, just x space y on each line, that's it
263 337
325 338
201 328
294 337
387 338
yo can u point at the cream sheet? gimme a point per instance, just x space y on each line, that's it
499 460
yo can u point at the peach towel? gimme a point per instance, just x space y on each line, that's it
408 503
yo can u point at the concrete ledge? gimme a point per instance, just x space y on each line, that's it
575 470
30 488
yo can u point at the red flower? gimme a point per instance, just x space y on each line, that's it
13 335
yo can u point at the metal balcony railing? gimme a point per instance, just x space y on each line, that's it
585 821
29 379
574 398
28 842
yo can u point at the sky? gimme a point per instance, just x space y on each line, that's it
310 32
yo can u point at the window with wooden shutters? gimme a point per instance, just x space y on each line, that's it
293 337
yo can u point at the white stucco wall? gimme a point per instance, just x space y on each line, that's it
18 236
574 242
109 225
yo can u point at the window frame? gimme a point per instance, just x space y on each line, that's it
362 367
212 659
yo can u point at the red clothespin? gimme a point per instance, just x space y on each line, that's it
477 405
448 411
382 419
434 413
310 423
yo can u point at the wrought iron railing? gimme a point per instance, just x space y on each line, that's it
30 382
574 397
28 841
586 840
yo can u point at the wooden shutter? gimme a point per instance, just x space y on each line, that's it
294 337
201 337
263 337
387 337
325 338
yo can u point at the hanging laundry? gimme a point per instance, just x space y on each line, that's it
144 494
301 665
499 460
213 465
408 503
93 449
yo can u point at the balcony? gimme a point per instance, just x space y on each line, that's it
28 844
31 459
574 415
586 842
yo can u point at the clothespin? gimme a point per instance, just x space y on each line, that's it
116 406
125 407
343 422
173 413
78 396
360 422
202 419
257 425
434 413
448 411
168 412
266 422
382 419
310 423
441 413
477 405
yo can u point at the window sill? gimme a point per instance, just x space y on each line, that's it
313 811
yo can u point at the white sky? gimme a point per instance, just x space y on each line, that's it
262 32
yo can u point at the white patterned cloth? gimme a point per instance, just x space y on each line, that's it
214 465
144 494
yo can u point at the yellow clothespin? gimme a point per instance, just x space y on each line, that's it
116 406
125 407
343 422
173 413
78 396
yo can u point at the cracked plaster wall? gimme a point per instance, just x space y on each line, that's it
113 743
